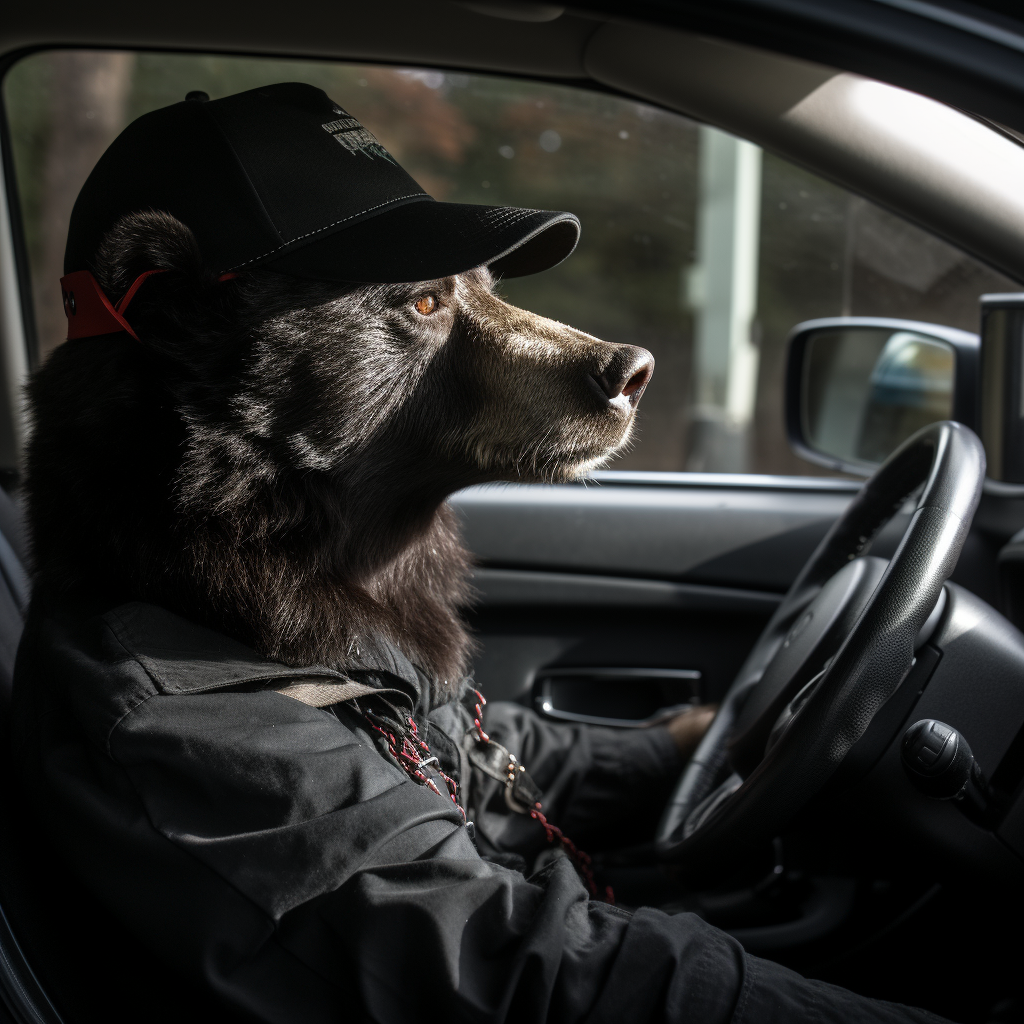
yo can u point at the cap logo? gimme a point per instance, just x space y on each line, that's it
355 138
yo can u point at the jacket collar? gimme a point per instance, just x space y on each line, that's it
181 656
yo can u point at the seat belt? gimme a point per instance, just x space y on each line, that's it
318 693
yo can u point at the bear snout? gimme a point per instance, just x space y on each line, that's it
623 380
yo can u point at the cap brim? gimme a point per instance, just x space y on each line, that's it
421 241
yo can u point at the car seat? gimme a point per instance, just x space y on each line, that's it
63 958
24 998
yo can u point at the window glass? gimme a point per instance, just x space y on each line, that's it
696 245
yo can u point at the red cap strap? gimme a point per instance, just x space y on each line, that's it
130 294
89 311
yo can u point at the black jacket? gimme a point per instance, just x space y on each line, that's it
274 852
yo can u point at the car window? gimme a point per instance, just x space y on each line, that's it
697 245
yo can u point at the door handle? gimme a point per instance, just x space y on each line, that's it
623 698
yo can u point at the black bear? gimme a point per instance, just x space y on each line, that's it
262 785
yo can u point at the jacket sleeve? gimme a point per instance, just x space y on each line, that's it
604 787
478 942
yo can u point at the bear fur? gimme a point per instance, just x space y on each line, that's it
272 457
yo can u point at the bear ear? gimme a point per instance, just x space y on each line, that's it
141 242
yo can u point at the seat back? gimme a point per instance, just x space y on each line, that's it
63 957
22 994
14 593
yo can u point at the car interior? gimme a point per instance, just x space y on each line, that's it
811 213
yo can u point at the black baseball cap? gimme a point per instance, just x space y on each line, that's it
284 178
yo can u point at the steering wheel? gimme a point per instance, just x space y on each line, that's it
835 650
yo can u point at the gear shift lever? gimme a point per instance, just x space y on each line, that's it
939 762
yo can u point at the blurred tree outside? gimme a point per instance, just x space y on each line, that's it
78 105
630 171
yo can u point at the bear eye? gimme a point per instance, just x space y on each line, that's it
426 304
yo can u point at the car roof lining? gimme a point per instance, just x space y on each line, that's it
432 32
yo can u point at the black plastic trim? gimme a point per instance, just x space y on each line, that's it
723 481
530 588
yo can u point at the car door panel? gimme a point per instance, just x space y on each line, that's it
647 532
627 573
528 620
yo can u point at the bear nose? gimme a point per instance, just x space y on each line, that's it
627 374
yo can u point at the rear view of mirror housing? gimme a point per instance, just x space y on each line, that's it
857 387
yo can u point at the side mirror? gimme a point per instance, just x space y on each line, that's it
858 387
